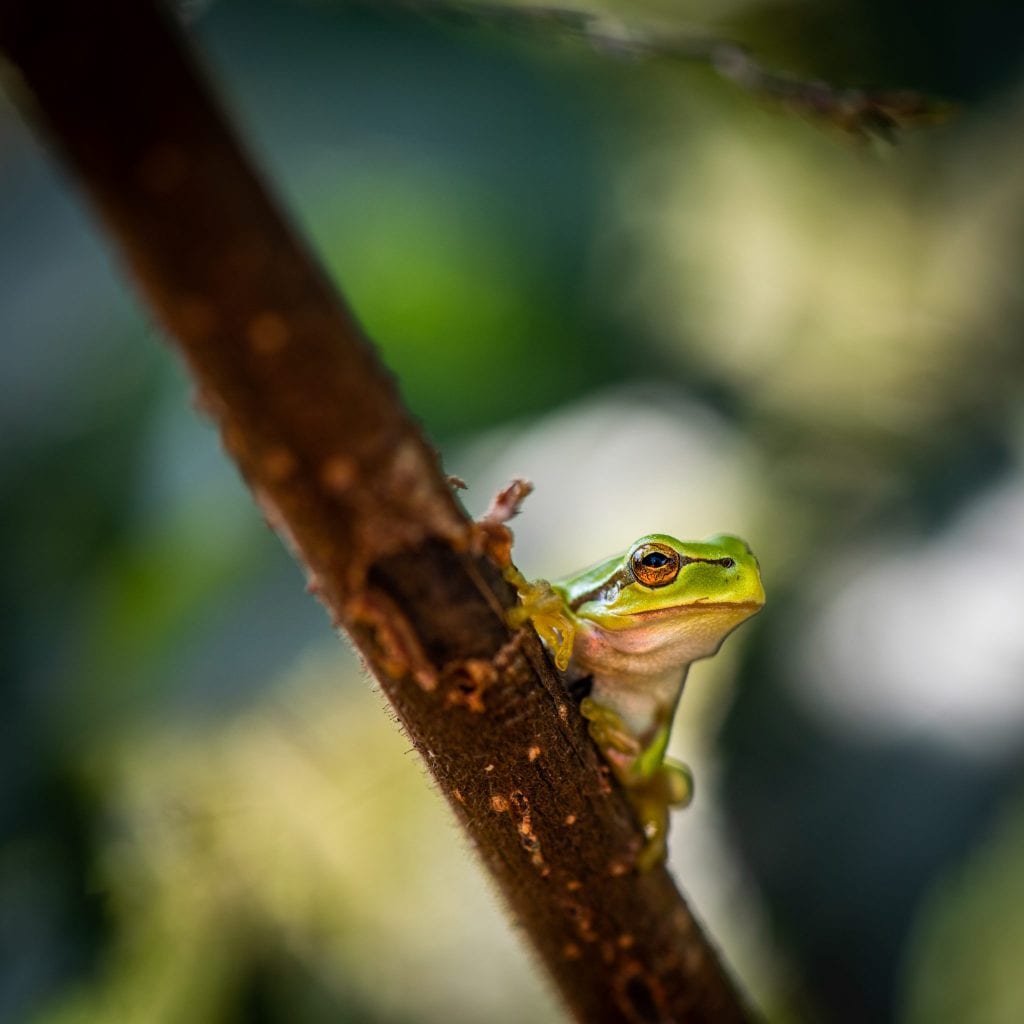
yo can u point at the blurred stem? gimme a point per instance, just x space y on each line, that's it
339 467
863 114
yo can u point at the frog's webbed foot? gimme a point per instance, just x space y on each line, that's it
670 786
676 783
610 733
652 783
542 605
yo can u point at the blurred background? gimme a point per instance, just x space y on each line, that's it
674 308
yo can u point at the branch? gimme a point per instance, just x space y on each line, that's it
316 427
863 114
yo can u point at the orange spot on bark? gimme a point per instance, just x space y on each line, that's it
583 919
268 332
520 801
683 922
279 463
533 753
499 804
339 473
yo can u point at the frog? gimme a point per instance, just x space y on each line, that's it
634 624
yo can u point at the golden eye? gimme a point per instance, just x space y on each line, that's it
654 565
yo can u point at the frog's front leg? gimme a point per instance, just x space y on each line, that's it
545 607
652 783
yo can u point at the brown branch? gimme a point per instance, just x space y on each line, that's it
316 426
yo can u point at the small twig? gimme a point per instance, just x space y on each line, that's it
506 504
861 113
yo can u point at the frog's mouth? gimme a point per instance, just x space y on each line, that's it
624 620
693 607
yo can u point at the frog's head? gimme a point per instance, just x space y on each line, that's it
662 590
662 574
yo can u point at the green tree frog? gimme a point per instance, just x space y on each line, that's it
635 623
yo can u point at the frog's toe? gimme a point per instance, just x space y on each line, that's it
608 730
654 820
677 783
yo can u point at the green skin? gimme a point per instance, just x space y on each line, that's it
637 642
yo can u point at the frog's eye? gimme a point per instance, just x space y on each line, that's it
655 565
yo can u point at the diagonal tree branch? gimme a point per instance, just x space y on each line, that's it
316 426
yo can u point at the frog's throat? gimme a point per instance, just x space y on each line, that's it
649 647
642 700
